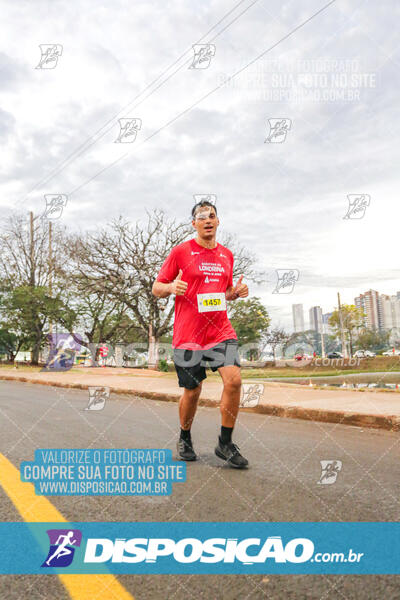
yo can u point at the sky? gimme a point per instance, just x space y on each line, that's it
329 79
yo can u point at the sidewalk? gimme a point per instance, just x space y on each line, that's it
349 407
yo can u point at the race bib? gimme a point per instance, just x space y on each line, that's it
211 302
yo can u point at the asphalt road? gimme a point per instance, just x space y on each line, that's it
281 485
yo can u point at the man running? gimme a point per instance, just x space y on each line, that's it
199 273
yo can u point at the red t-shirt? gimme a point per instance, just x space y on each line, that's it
207 271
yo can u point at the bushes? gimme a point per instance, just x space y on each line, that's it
163 365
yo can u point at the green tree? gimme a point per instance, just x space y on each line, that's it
250 320
28 311
31 295
352 319
299 342
276 337
10 343
373 339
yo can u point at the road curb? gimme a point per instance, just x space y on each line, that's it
387 422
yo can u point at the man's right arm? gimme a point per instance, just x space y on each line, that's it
177 287
161 290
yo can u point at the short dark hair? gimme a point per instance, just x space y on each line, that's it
201 204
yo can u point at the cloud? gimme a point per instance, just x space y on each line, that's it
7 123
335 79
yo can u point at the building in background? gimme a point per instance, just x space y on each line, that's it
381 310
325 322
298 317
386 312
316 318
371 306
390 313
395 301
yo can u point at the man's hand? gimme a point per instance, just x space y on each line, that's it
240 290
178 287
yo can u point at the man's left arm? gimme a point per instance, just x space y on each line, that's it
240 290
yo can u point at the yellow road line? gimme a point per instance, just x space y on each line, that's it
33 508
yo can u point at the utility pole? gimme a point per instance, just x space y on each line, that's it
151 363
32 252
322 341
153 349
50 270
35 350
344 349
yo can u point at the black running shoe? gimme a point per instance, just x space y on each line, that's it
230 453
185 450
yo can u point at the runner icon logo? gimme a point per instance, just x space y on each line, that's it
357 205
54 206
202 56
251 394
286 280
278 129
329 471
61 551
128 130
49 55
205 198
61 351
297 352
97 397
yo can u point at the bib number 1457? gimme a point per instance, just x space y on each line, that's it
211 302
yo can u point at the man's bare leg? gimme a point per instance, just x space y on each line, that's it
187 411
230 398
229 409
188 406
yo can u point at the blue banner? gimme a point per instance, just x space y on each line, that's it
103 472
203 548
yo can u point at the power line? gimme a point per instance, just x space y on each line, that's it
208 93
83 147
143 99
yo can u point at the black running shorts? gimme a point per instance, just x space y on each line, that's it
191 365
